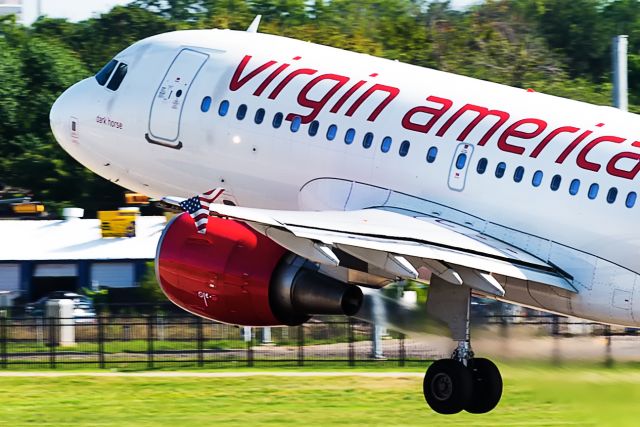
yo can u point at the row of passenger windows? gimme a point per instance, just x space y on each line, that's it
432 153
314 126
556 181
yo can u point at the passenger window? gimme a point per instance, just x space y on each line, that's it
537 179
349 136
631 199
259 118
242 112
295 123
555 182
104 74
205 104
432 154
482 166
386 144
593 191
368 140
404 148
313 128
612 195
223 109
518 174
500 169
574 187
461 161
331 132
118 76
277 120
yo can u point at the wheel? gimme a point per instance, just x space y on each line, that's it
487 386
447 386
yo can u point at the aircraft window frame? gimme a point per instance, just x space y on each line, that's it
404 148
242 112
118 76
501 168
277 120
223 108
536 180
295 124
385 146
332 131
349 136
481 167
102 76
594 188
631 199
574 187
555 182
612 195
259 116
432 154
518 174
205 104
313 128
367 140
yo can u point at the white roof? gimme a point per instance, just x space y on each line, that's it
76 239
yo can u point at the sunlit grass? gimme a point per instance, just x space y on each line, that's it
534 396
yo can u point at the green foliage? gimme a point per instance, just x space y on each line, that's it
559 47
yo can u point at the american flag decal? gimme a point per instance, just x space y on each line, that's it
198 207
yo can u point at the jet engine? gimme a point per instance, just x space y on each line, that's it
234 274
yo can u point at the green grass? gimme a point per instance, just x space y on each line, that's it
534 396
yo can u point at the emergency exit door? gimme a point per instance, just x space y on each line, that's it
168 102
459 167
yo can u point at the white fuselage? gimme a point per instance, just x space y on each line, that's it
146 138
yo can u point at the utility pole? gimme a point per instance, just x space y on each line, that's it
620 84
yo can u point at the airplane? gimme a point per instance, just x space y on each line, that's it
336 172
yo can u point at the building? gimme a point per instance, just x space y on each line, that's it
37 256
9 7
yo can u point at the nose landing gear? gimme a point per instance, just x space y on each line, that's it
462 382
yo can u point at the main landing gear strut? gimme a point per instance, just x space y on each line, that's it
462 382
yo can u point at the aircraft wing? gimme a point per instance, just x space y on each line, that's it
399 244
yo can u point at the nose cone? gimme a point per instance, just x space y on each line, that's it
60 120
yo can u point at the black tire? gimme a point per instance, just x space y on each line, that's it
487 386
447 386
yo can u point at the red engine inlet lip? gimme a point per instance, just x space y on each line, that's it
223 274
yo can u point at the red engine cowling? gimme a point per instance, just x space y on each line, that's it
236 275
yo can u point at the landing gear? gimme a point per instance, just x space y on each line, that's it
450 387
462 382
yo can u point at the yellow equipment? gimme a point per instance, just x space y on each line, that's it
120 223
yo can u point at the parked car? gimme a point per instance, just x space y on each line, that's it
83 309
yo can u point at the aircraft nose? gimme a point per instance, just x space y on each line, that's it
63 124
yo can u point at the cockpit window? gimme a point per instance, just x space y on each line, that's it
103 75
118 76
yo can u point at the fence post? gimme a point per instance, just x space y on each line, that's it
200 337
301 345
402 352
608 361
352 356
249 347
149 342
101 363
3 341
555 330
52 343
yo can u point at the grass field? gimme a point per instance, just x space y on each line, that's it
534 396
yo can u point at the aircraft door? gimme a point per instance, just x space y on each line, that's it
459 166
168 102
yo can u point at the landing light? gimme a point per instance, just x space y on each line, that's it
236 139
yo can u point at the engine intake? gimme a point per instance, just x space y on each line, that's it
234 274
